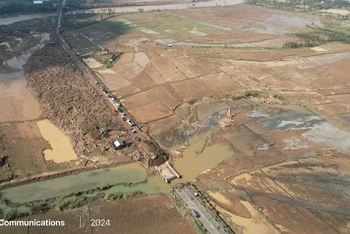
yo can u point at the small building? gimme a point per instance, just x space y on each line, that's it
40 2
119 144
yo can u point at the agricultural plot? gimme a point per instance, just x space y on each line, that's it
283 159
191 72
228 25
152 214
25 145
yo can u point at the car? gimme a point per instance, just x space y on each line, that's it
123 118
104 90
121 111
133 130
195 213
130 122
118 104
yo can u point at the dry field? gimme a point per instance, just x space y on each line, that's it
153 81
223 25
153 214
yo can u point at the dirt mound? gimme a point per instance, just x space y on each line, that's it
66 97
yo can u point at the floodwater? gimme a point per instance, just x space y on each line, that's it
62 150
193 163
189 166
14 19
129 173
18 102
15 98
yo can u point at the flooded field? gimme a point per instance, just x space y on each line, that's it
18 102
196 159
199 157
62 149
14 95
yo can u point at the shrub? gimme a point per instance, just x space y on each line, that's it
10 214
40 208
279 96
251 93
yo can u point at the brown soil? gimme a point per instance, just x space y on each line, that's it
66 97
153 214
23 145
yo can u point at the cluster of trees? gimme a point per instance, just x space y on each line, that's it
13 7
318 37
293 4
46 6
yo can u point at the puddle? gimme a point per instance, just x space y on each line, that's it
193 164
62 150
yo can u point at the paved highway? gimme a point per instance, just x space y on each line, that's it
206 218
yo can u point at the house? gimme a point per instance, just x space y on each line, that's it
119 144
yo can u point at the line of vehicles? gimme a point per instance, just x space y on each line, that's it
119 108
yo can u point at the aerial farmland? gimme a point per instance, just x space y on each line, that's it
246 103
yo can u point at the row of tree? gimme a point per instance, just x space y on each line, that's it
309 4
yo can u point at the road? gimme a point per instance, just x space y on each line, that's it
206 218
92 78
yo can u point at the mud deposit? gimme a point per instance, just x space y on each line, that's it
200 156
62 149
18 102
296 166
